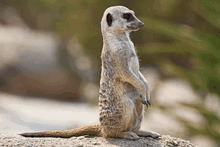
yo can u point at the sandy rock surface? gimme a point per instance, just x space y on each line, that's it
88 141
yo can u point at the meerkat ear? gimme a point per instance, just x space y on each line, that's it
109 19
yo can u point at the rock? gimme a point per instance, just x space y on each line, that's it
88 141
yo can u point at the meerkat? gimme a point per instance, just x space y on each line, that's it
123 89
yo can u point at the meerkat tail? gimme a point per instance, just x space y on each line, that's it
94 130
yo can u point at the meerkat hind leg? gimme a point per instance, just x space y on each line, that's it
147 134
128 135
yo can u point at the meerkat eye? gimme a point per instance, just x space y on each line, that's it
128 16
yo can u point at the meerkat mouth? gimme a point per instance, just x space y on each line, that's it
135 26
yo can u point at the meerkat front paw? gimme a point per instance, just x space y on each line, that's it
146 101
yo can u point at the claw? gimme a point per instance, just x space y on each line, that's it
145 103
149 102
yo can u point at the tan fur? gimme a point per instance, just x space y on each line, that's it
123 89
87 130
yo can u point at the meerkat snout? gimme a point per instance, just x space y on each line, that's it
133 23
141 24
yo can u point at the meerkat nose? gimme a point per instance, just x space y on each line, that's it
141 24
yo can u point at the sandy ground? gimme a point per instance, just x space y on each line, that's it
87 141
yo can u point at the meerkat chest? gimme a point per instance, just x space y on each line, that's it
125 47
134 62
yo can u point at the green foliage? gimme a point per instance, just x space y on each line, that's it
203 46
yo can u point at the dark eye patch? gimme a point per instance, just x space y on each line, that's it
128 16
109 19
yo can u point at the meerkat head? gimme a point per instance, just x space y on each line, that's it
119 19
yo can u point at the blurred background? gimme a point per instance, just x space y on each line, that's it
50 65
